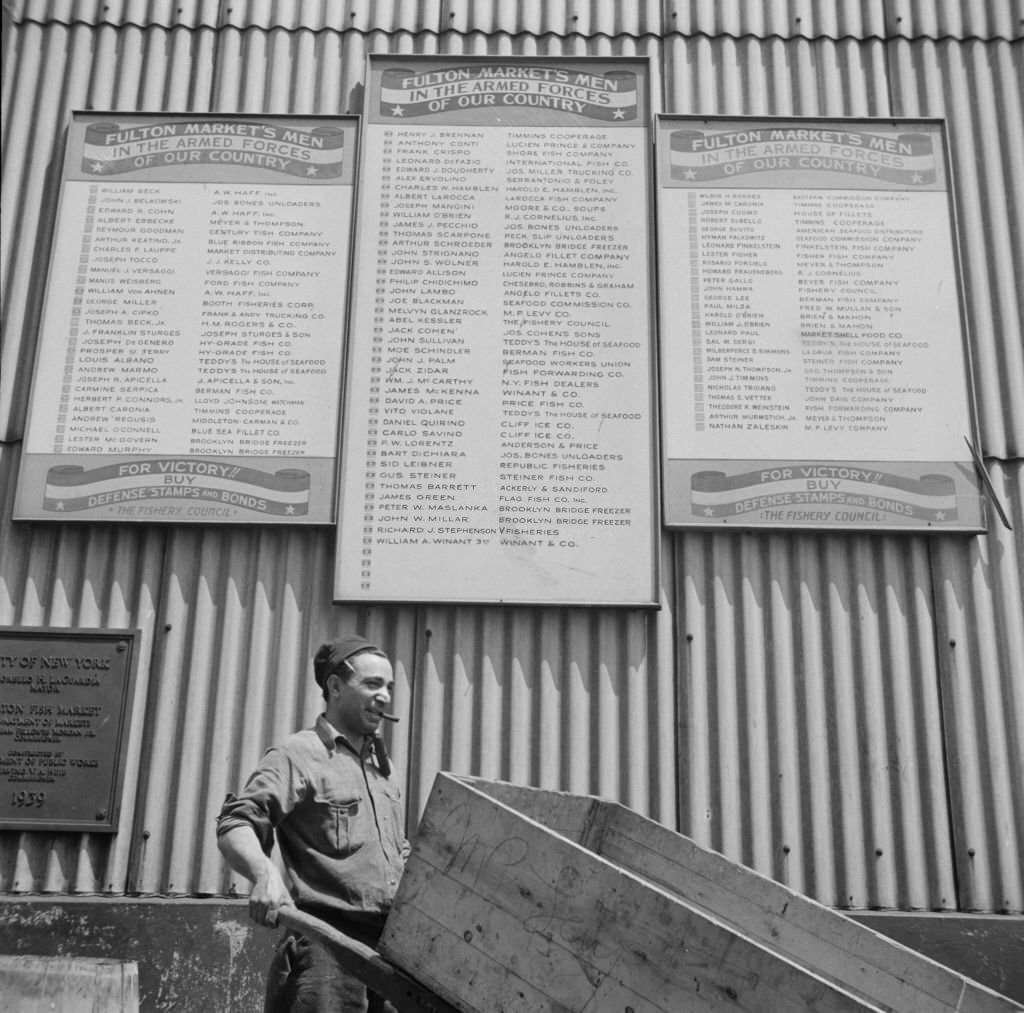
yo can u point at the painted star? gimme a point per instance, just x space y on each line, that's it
708 512
690 174
619 114
940 515
311 170
60 504
98 166
289 509
917 178
397 111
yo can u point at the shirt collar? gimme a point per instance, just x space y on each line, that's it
332 738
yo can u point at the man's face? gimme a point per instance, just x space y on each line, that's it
355 703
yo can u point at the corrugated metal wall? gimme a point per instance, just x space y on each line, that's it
845 713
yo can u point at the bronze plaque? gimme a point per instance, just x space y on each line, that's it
65 697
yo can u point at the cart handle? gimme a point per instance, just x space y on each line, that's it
404 993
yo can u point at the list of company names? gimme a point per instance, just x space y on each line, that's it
843 356
507 373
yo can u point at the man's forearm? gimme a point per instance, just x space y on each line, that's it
241 849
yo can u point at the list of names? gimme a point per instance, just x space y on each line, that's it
508 373
842 364
197 324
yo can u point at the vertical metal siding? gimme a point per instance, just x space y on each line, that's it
977 88
773 77
285 72
572 699
981 655
812 741
613 18
590 21
161 13
939 19
390 16
849 715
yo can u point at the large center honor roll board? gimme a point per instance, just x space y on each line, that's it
189 363
498 429
814 361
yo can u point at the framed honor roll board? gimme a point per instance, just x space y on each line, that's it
498 421
189 360
814 363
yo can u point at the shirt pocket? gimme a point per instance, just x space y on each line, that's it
390 816
339 823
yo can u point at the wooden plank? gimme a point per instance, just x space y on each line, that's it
893 976
32 984
985 946
497 912
569 815
839 949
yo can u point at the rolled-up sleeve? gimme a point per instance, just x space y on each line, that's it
273 790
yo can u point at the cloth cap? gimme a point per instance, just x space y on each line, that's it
329 658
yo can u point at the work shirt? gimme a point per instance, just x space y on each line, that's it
337 819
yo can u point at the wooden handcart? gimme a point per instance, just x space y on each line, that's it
517 900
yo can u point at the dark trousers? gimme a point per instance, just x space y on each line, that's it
305 977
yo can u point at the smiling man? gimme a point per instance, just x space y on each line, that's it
326 795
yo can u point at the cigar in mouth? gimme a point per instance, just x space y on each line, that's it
389 717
